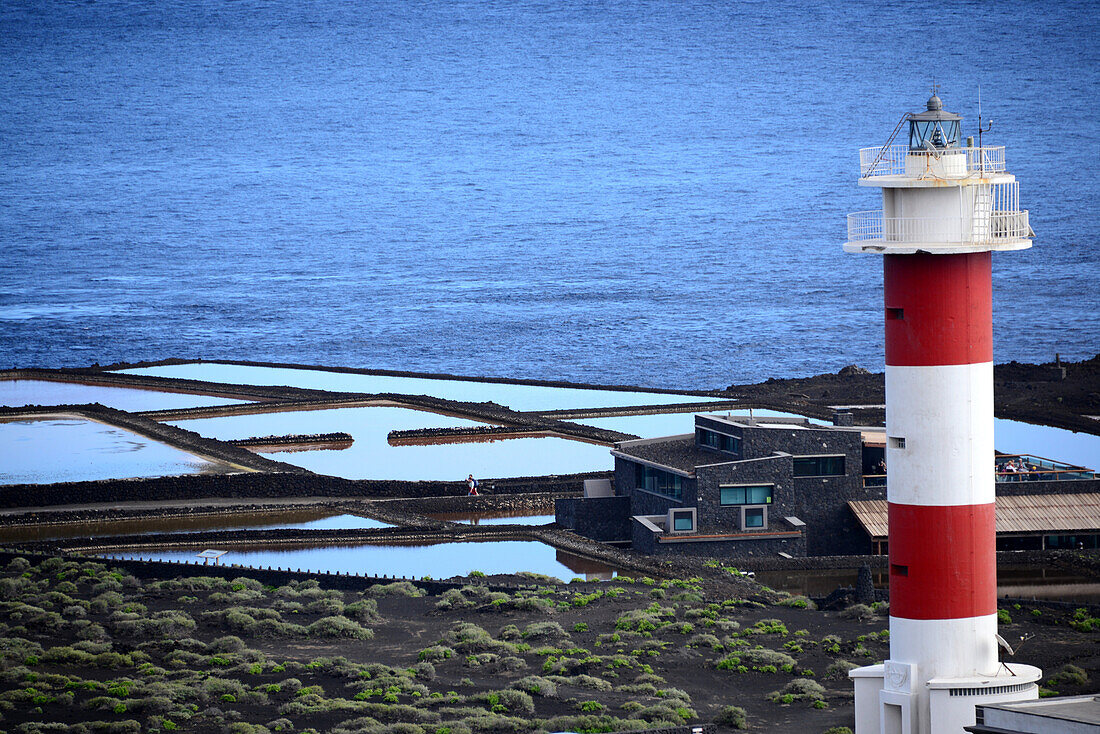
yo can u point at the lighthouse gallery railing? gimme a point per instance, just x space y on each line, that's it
890 161
872 225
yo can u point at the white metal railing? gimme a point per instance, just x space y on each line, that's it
1000 225
890 160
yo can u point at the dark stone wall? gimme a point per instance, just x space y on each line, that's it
645 541
597 518
757 442
821 502
714 518
257 485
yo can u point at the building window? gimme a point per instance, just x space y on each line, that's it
682 520
706 438
819 466
746 495
754 518
659 482
720 441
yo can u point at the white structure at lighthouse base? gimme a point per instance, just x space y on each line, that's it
888 699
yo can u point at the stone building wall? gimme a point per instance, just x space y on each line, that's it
597 518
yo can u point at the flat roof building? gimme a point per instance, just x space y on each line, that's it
742 487
1068 715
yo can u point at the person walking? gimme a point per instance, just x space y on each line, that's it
472 484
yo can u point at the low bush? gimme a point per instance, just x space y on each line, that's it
732 716
799 689
397 588
536 686
1071 675
858 611
839 670
364 610
435 653
543 630
339 627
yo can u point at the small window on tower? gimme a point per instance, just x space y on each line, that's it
895 314
897 442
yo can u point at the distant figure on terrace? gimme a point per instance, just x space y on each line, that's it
472 484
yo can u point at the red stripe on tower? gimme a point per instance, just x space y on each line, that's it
939 309
942 563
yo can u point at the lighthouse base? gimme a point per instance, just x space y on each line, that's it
888 701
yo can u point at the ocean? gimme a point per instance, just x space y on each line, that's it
637 192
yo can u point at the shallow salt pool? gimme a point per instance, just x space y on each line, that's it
17 393
71 449
492 518
295 519
372 457
517 397
439 560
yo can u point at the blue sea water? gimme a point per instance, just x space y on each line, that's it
649 192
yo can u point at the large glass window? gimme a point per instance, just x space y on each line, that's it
720 441
706 438
658 482
818 466
746 495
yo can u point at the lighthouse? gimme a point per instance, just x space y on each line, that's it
946 207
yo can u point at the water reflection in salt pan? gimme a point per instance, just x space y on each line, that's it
517 397
17 393
439 561
70 449
306 519
372 457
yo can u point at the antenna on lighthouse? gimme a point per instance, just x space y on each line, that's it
982 129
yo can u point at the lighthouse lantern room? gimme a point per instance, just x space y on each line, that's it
946 206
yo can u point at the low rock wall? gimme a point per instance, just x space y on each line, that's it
268 486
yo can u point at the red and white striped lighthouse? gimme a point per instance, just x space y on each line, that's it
946 207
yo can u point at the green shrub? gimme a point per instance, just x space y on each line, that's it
858 611
339 627
536 686
1003 617
364 610
799 689
397 588
838 670
1070 674
732 716
435 653
543 630
799 602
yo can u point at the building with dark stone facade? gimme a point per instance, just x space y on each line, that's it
742 487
